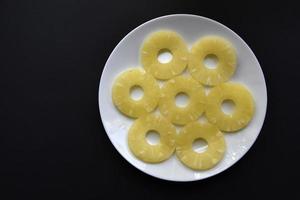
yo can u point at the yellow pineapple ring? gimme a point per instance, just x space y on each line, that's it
219 47
142 149
195 107
160 41
242 113
121 93
214 152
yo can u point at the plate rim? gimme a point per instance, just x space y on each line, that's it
204 18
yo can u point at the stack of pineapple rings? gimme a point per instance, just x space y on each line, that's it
199 102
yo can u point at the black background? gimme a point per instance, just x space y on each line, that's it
52 142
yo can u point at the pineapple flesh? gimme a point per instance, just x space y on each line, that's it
121 93
242 113
223 50
195 107
214 152
142 149
164 40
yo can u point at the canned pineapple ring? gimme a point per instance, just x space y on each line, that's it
226 56
242 113
195 107
121 93
164 40
142 149
214 152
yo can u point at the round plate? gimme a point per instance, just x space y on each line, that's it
126 55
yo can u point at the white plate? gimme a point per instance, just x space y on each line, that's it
191 27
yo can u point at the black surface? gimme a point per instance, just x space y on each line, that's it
52 142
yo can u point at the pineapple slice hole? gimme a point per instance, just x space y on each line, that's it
182 99
164 56
136 92
200 145
211 61
228 106
152 137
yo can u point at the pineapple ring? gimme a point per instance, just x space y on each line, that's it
164 40
142 149
215 146
223 50
244 106
195 107
121 93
